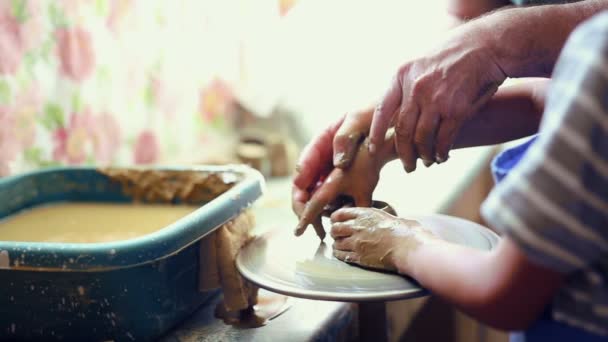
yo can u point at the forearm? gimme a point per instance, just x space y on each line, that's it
457 274
527 41
514 112
489 286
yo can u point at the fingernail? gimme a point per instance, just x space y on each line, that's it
408 169
299 230
427 163
372 148
339 159
440 159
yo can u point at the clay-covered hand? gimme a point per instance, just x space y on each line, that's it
356 183
334 147
432 96
373 238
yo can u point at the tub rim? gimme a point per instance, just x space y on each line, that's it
145 249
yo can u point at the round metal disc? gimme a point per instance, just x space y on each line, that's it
303 267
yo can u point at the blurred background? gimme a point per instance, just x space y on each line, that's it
144 82
120 82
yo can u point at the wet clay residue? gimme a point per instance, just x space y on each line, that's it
270 305
187 186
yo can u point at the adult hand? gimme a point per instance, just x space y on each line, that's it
338 143
353 186
373 238
431 97
333 147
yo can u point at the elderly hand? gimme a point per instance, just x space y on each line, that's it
355 184
338 142
431 97
373 238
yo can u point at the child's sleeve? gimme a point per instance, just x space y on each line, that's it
554 203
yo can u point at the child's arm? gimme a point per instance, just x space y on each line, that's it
500 288
514 112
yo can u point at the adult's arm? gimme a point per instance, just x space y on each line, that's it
431 97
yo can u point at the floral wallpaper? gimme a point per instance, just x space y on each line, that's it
107 82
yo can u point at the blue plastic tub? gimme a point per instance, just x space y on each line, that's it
126 290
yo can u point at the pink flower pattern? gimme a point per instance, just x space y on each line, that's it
165 97
106 137
26 110
10 42
9 145
76 53
146 148
84 82
33 29
74 141
216 100
87 135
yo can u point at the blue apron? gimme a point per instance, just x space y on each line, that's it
545 328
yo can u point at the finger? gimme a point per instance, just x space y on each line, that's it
344 244
312 211
349 257
319 229
424 136
344 214
363 200
324 195
404 136
299 198
446 135
345 147
384 112
316 158
349 136
341 230
449 128
485 94
342 201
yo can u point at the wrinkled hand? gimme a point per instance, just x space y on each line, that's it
356 184
338 143
431 97
373 238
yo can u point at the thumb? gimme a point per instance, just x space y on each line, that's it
383 114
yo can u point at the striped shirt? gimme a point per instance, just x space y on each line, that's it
554 202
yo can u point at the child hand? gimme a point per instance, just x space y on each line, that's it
373 238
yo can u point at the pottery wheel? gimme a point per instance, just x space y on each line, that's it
303 267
